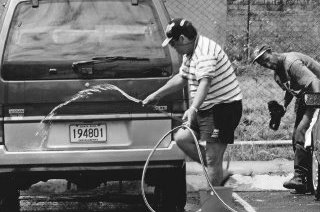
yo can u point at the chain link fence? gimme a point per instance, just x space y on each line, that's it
239 26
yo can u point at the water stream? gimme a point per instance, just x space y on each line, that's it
46 122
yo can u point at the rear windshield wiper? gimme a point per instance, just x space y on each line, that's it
115 58
87 66
98 60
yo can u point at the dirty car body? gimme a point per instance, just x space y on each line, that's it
53 49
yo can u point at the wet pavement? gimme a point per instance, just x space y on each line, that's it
279 201
256 186
262 201
126 197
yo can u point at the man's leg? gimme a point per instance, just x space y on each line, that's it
185 142
302 157
301 169
214 155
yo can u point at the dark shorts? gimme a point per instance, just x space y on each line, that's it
218 123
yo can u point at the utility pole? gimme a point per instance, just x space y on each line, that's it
248 30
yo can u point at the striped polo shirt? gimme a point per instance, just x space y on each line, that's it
209 60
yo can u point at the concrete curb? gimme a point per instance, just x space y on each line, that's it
271 142
247 175
249 168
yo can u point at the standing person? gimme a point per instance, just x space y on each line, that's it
215 97
296 73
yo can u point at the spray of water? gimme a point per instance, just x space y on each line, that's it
46 123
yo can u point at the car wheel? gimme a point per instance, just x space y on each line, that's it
9 199
170 194
316 176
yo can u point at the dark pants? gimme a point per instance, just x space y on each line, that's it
302 156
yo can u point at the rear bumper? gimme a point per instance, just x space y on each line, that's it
24 176
94 160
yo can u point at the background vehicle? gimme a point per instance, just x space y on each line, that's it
313 99
51 50
316 164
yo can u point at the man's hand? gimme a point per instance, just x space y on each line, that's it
151 99
189 116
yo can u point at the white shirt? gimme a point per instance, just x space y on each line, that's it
209 60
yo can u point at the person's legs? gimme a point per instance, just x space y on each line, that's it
226 118
215 151
216 126
202 127
301 169
302 157
302 165
185 142
212 155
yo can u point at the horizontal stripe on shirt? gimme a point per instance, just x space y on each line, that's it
209 60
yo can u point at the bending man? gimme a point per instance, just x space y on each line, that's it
296 73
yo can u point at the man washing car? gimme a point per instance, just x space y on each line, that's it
214 94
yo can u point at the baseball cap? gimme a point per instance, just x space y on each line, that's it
175 28
259 51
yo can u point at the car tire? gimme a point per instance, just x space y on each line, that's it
170 194
9 198
316 176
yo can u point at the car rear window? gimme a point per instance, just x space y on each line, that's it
60 32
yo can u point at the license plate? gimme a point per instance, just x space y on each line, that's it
88 133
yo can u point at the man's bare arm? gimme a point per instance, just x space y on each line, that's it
174 84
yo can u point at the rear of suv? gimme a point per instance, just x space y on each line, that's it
60 117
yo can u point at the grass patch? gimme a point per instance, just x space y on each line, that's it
258 88
258 152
